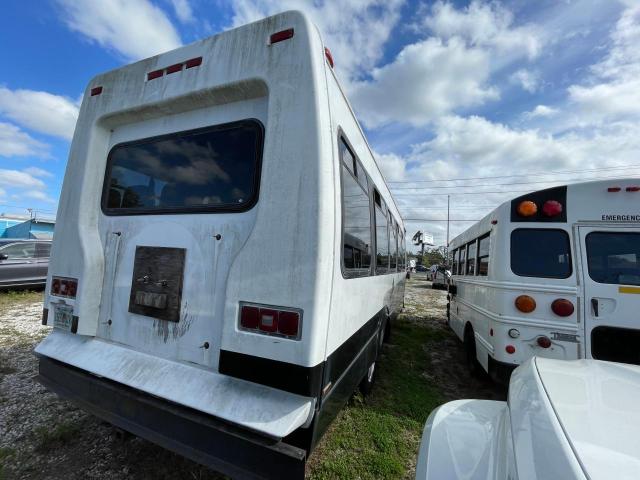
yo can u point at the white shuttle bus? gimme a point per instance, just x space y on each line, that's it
554 273
228 258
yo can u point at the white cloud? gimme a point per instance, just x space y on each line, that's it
451 70
614 92
485 24
541 111
38 195
134 28
14 142
183 10
393 167
425 81
40 111
38 172
19 179
527 79
354 30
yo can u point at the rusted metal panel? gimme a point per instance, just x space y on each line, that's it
156 286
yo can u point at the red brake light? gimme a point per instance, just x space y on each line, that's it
194 62
633 189
327 53
288 323
544 342
96 91
249 317
613 189
562 307
510 349
155 74
174 68
280 36
551 208
64 287
270 321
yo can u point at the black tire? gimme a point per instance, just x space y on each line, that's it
470 353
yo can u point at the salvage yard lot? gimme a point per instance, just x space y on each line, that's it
42 436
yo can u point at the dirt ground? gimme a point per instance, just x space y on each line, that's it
43 437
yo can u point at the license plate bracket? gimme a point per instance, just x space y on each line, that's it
63 317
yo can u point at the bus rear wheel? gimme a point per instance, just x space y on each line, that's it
470 352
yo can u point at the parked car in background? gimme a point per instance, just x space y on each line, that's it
564 420
421 268
439 276
23 262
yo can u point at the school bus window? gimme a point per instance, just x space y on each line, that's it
537 252
471 258
483 256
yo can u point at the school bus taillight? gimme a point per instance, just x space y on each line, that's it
543 341
551 208
562 307
270 321
280 36
64 287
525 303
527 208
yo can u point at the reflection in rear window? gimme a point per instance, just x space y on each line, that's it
215 168
614 257
537 252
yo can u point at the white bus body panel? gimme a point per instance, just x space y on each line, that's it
241 77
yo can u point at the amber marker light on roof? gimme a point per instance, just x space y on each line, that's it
527 208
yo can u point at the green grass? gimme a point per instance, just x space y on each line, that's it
378 437
48 438
12 298
5 454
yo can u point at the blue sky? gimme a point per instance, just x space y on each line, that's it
446 90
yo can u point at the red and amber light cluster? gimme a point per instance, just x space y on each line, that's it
64 287
550 208
270 320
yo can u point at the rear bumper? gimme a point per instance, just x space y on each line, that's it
225 447
500 372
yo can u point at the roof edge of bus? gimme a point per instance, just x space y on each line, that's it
95 79
488 216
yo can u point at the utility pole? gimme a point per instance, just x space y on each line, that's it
447 245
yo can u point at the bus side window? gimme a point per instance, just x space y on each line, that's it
483 255
382 237
462 260
471 258
356 229
454 263
393 244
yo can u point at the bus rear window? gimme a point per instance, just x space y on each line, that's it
614 257
537 252
209 169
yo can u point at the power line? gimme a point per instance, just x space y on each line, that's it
519 175
462 193
439 220
501 184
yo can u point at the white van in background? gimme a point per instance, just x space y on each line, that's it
228 258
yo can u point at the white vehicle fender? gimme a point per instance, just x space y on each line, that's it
461 441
